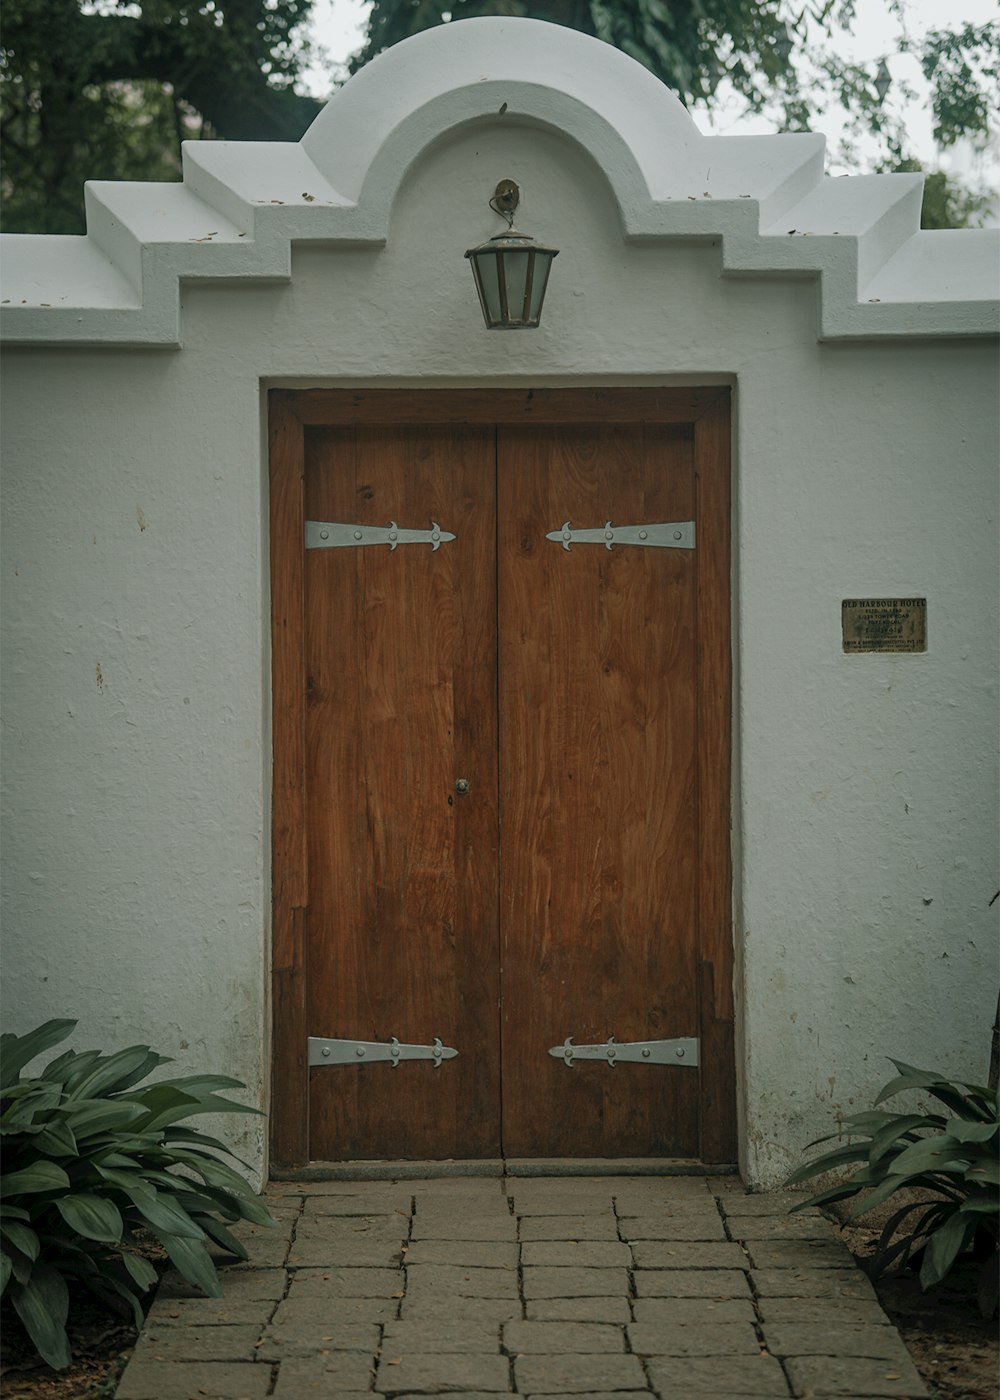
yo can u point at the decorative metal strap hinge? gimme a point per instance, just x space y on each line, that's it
683 1053
366 1052
676 534
327 534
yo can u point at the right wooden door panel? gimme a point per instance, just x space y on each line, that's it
598 789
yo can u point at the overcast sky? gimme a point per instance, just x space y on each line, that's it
338 30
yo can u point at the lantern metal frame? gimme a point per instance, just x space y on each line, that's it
508 301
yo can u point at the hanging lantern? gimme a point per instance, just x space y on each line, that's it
511 269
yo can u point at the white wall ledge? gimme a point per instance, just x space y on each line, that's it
242 206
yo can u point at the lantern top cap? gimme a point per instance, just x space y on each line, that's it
512 240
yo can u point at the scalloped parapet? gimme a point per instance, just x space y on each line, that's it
241 205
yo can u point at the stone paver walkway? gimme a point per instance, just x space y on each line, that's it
564 1288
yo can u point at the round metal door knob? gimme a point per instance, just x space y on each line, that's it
461 786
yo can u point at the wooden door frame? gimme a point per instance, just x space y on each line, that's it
290 413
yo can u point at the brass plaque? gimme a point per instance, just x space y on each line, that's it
884 624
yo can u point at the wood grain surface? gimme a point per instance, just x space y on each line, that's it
400 664
598 790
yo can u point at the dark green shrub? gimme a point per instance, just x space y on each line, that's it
951 1158
92 1161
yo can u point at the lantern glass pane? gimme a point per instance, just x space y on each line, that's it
543 261
486 272
515 266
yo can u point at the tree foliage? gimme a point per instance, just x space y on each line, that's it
109 93
107 89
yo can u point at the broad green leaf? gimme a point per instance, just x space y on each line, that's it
945 1244
203 1083
42 1305
964 1131
30 1102
896 1128
140 1269
982 1201
929 1154
192 1260
89 1117
827 1162
164 1215
6 1269
21 1237
985 1172
17 1050
163 1104
57 1140
199 1140
9 1212
112 1072
222 1236
77 1069
91 1216
43 1176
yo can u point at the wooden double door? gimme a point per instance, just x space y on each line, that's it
501 802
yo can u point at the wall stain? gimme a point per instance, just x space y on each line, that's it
140 518
100 677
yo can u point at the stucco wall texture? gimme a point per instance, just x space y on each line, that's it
135 565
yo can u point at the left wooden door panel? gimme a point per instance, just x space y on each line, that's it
400 702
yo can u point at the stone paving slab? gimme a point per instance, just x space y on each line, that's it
854 1376
413 1336
568 1338
353 1227
446 1280
700 1226
688 1254
810 1339
485 1254
601 1225
237 1343
724 1339
779 1227
691 1283
813 1283
542 1282
444 1227
318 1254
684 1312
180 1380
434 1309
553 1375
610 1309
842 1311
724 1375
305 1336
769 1203
800 1254
324 1377
597 1254
208 1312
434 1375
346 1309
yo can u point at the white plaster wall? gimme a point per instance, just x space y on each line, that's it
136 806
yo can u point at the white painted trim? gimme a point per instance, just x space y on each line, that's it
241 205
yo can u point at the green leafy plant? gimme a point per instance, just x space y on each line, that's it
93 1161
949 1157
